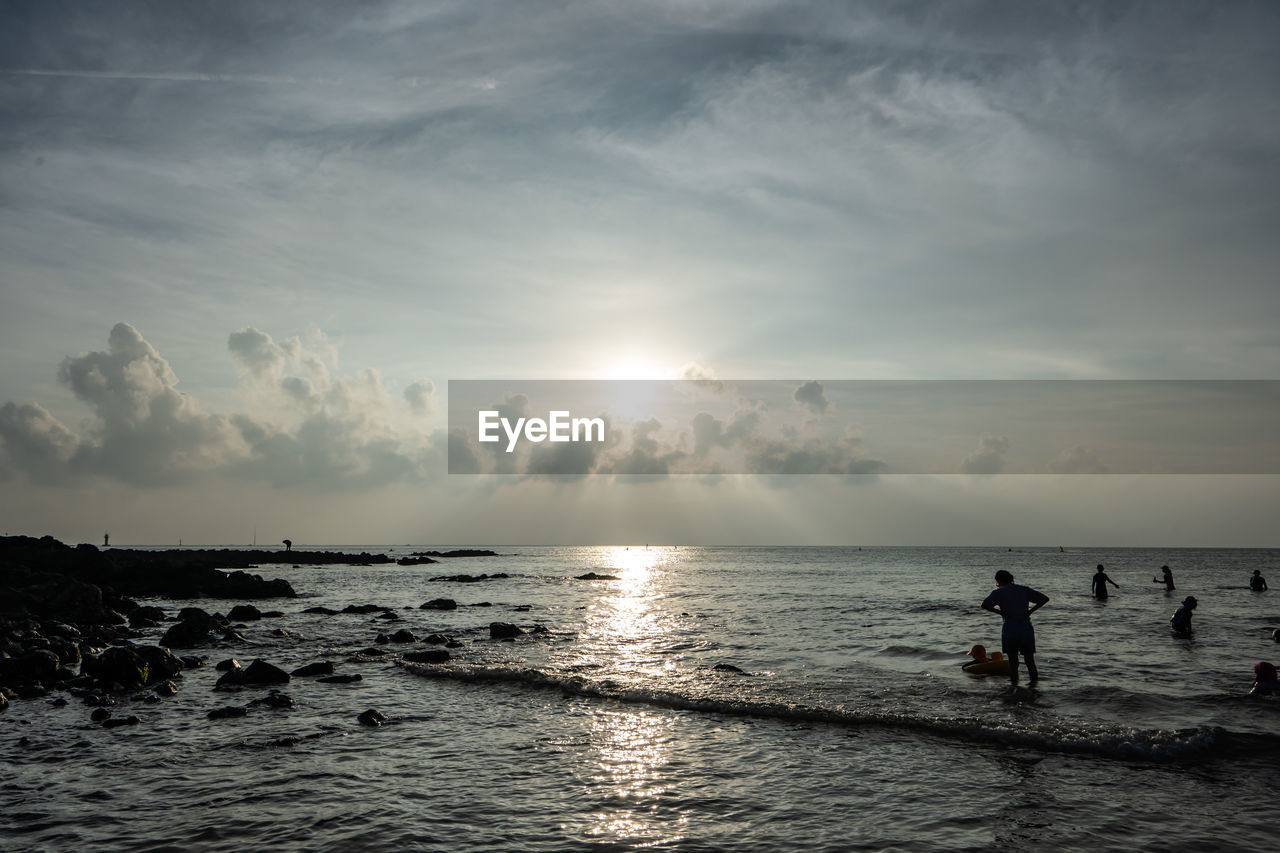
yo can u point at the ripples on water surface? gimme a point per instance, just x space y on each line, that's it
850 726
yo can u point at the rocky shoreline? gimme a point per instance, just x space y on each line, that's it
68 623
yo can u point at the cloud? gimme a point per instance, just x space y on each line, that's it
420 396
146 432
988 457
810 396
1077 460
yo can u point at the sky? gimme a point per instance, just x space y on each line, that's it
245 247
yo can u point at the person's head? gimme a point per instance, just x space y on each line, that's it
1257 571
1190 602
978 653
1165 569
1003 577
1264 671
1099 566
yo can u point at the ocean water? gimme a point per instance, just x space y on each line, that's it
850 726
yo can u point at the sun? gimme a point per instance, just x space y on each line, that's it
633 367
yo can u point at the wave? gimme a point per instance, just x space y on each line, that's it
1155 745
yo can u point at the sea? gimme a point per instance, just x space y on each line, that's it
701 699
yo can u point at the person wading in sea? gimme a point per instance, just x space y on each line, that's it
1015 603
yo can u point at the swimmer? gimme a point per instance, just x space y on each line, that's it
1265 683
1181 621
1167 580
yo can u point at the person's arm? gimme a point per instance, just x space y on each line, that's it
1040 601
987 605
1113 583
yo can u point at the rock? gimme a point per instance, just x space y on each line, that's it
415 561
389 616
244 613
230 636
4 701
592 576
229 663
145 617
191 661
327 611
34 667
165 688
116 722
382 639
427 656
435 639
340 679
503 631
461 552
261 672
99 714
58 702
161 662
728 667
285 632
362 608
439 604
67 651
471 578
373 651
322 668
274 699
404 635
523 608
227 712
122 665
272 614
193 629
98 699
483 604
372 717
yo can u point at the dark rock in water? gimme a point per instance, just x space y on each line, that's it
322 668
539 629
98 700
272 614
472 578
227 712
193 628
592 576
232 678
99 714
389 615
404 635
362 608
340 679
121 665
261 672
439 604
453 644
146 617
229 636
327 611
372 717
415 561
483 604
728 667
192 661
244 613
461 552
161 663
116 722
382 639
34 690
36 666
4 701
229 663
503 631
427 656
523 608
285 632
274 699
165 688
435 639
373 651
58 702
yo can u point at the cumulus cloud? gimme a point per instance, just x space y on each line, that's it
1077 460
987 457
145 431
421 396
810 395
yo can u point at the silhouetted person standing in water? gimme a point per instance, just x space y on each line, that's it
1167 580
1181 621
1100 581
1258 583
1015 604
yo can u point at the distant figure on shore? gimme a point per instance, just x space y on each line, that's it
106 540
1100 581
1181 621
1167 580
1258 583
288 544
1265 683
1015 603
